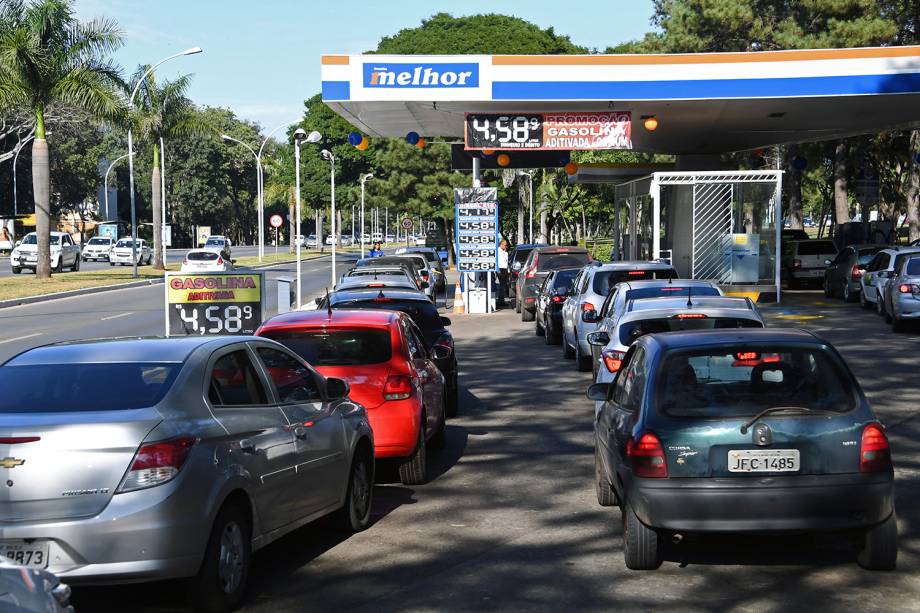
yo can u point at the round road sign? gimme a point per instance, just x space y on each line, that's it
276 221
407 223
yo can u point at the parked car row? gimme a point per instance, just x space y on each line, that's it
705 419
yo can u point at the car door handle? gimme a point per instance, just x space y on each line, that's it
247 446
300 432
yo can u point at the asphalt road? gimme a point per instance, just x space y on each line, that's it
129 312
509 520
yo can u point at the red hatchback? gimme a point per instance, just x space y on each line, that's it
384 359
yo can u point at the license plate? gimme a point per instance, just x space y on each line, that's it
763 460
34 555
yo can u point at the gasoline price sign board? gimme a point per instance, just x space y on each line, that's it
477 228
549 131
213 303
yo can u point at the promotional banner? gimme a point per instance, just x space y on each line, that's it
549 131
477 228
213 303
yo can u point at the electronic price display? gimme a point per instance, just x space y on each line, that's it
582 131
219 303
477 229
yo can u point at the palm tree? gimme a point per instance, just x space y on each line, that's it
161 113
49 59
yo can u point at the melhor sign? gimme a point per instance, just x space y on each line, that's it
549 131
477 228
213 303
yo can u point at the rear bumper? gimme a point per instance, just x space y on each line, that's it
395 424
768 504
906 308
807 274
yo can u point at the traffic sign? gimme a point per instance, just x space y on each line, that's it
276 221
407 223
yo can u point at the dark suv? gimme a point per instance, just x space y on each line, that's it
538 264
516 260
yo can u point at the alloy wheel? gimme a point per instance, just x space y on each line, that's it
230 558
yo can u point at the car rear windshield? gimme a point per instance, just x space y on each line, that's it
552 261
865 255
900 259
99 241
392 261
69 388
741 381
604 280
202 256
670 291
631 330
520 255
423 312
337 347
817 248
913 267
564 278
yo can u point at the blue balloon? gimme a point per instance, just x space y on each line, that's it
800 163
412 138
354 139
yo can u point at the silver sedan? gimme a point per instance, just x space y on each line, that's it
143 459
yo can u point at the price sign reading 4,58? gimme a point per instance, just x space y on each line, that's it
494 131
213 303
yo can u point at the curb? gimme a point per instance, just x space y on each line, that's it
118 286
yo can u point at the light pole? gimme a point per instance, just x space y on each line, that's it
364 178
16 157
191 51
530 198
105 183
258 185
163 199
327 155
261 185
300 136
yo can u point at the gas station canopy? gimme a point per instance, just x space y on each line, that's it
704 103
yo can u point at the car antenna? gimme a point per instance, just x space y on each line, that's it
689 297
328 305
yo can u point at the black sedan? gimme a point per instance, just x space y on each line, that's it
550 299
739 431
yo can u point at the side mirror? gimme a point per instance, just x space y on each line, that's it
445 321
439 352
827 262
18 243
318 300
233 261
598 339
517 266
598 392
425 285
590 316
337 388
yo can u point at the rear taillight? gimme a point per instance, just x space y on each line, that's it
530 273
855 273
220 261
613 359
796 263
445 341
185 260
647 456
156 463
424 275
907 288
558 298
690 316
398 387
587 306
874 453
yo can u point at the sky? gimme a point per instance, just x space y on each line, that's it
261 59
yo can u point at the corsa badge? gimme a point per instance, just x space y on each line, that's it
11 462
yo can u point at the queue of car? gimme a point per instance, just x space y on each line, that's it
708 421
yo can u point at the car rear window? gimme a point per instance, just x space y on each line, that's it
202 256
423 312
631 330
564 278
817 248
337 347
604 280
865 255
913 267
71 388
552 261
520 255
741 381
670 291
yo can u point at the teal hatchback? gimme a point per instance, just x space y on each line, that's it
747 430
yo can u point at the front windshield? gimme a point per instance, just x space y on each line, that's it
32 239
98 241
124 244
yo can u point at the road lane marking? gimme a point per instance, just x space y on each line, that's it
116 316
20 338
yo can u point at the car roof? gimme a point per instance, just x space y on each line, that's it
530 245
136 349
561 249
381 280
680 303
701 338
634 265
370 293
642 283
338 317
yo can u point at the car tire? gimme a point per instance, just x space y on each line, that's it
111 263
16 270
883 311
526 315
76 265
567 352
221 581
538 328
453 398
414 469
439 438
880 546
517 305
355 514
606 497
582 363
641 544
60 265
848 294
828 292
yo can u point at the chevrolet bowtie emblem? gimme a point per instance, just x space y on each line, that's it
11 462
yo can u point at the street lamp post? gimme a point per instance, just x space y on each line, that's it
105 182
300 136
150 70
364 178
530 198
16 157
260 186
327 155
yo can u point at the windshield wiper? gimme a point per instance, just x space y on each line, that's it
750 422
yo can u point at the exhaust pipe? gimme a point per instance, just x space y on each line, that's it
677 538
